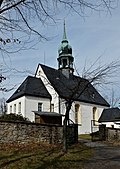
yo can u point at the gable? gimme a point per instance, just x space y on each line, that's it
31 86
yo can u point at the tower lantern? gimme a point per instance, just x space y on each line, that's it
65 58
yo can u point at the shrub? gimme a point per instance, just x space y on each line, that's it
14 117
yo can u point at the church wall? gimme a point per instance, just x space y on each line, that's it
11 106
31 104
87 116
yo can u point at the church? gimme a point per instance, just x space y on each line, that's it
42 98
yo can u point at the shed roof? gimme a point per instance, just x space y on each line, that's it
110 115
47 113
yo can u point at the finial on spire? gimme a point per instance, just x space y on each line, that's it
64 33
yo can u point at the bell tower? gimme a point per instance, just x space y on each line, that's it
65 58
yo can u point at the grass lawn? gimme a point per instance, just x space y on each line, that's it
43 156
85 136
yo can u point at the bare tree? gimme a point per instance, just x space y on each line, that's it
2 78
21 20
102 75
22 15
3 106
112 96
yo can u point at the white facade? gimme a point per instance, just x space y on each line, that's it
85 116
89 118
28 105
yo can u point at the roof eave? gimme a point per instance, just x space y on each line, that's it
10 100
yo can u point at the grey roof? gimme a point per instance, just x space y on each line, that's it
110 115
47 113
31 86
75 87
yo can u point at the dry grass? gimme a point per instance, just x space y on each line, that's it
42 156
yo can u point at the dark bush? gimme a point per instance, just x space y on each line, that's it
14 117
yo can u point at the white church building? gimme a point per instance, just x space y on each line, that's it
48 91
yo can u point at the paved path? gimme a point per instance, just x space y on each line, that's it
106 156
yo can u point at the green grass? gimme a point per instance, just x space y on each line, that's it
94 136
85 136
42 156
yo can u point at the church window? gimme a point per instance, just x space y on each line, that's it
52 107
19 107
14 108
94 115
77 114
10 109
39 73
40 106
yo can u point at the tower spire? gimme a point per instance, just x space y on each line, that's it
65 58
64 33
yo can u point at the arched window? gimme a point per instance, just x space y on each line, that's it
77 114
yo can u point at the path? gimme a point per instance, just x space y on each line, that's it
106 156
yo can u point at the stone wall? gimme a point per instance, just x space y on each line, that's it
22 132
113 134
30 132
109 134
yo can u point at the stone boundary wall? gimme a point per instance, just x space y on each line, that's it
109 134
22 132
113 134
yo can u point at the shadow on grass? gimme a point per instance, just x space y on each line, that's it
15 157
47 159
65 161
4 164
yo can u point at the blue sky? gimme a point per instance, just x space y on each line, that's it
90 37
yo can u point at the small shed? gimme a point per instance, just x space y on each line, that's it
48 118
110 117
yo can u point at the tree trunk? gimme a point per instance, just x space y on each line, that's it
65 145
65 133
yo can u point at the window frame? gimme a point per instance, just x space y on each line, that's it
40 106
10 108
14 108
19 108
